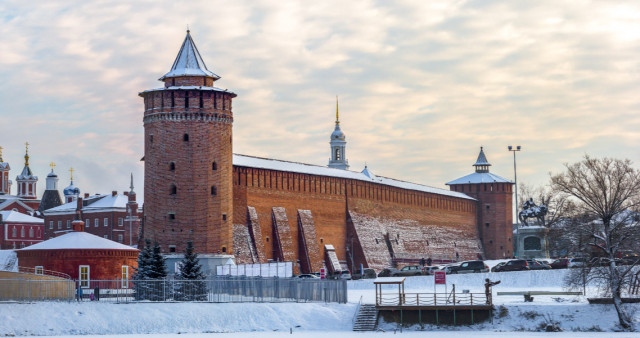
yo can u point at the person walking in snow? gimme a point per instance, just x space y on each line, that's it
79 293
429 261
422 262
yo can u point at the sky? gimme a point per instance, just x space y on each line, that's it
421 84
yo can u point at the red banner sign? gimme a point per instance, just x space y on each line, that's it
322 273
440 277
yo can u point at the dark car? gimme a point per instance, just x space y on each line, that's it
387 272
498 267
560 263
516 265
537 265
368 274
468 267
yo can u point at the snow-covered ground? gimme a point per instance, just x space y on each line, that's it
163 320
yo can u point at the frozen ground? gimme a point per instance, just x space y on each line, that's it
163 320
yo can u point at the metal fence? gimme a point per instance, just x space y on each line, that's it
218 290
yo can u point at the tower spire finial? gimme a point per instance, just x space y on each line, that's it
131 186
52 165
337 111
71 170
26 154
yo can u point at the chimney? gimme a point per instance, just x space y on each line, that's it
126 193
79 204
77 225
114 193
86 195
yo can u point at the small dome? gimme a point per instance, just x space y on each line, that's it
71 190
52 174
337 134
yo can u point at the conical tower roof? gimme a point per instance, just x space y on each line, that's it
482 159
189 62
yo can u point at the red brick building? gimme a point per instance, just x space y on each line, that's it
18 230
261 209
82 256
113 217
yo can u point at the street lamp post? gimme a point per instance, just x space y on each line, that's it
515 175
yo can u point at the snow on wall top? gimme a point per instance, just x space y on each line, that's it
479 178
215 89
271 164
78 240
18 217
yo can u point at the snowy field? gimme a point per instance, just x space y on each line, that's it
166 320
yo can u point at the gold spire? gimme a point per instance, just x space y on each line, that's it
71 170
337 111
52 165
26 154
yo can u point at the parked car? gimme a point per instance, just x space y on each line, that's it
537 265
498 267
341 274
560 263
308 276
368 274
409 270
469 267
387 272
516 265
429 270
449 267
577 262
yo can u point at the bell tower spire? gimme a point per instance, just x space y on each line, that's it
26 180
338 145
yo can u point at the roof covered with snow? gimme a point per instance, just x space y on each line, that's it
189 62
215 89
271 164
18 217
482 159
93 203
480 178
78 240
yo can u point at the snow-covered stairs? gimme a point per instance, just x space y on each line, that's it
367 318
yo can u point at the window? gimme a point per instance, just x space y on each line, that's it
50 224
321 240
186 99
120 221
224 217
59 225
22 232
173 190
172 248
214 166
337 154
267 239
486 224
151 138
30 232
185 137
214 191
224 249
14 232
68 224
172 166
87 222
125 277
106 236
106 222
96 222
84 276
172 215
39 270
201 101
120 238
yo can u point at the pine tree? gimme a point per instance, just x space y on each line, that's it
158 263
194 287
142 272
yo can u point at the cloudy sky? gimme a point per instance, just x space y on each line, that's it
422 84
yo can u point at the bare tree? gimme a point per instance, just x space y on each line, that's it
558 204
607 191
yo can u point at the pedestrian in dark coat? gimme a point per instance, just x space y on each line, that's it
96 292
79 293
422 261
429 261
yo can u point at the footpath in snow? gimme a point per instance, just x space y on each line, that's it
513 316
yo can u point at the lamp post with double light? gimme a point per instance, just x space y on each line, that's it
515 175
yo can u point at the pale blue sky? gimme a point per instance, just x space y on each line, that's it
422 84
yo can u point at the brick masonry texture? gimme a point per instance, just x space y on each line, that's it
309 253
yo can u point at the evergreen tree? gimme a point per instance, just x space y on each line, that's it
142 272
191 285
158 263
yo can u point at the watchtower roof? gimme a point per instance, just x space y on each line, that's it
189 62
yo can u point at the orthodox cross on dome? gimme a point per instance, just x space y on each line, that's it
52 165
72 170
337 111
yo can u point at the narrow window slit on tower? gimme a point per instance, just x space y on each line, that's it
214 166
214 191
185 137
186 99
172 166
173 190
173 99
201 100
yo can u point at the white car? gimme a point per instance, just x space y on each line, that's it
577 262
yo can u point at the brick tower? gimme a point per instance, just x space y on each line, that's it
494 195
188 158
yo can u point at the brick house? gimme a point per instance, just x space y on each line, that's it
114 217
18 230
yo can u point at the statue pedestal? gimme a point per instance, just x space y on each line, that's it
532 242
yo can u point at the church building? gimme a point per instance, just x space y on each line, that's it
259 209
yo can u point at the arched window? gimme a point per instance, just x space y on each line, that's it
22 232
14 232
185 137
214 191
173 190
337 157
172 166
30 232
214 166
224 249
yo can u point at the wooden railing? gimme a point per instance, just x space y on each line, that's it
43 272
432 299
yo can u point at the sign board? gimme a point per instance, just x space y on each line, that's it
440 277
323 273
